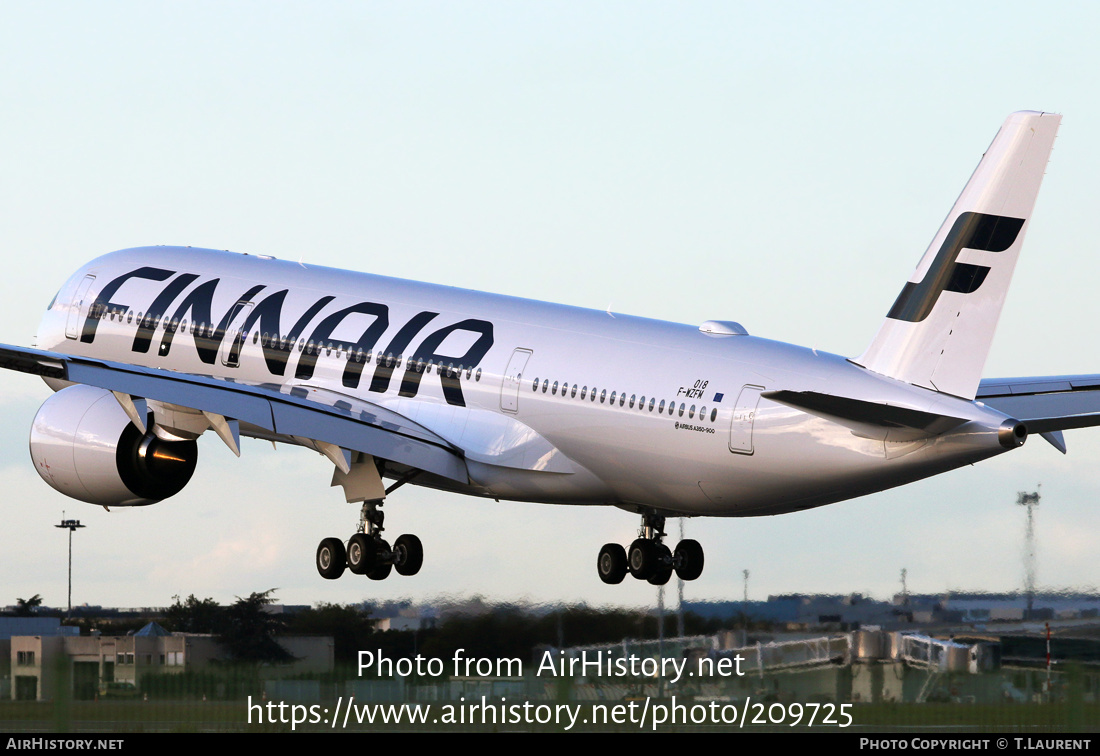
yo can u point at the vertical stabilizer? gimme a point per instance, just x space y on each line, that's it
939 330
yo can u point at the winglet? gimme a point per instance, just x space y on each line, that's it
938 332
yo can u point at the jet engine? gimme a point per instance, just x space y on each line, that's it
85 446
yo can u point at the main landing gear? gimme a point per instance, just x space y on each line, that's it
648 558
367 553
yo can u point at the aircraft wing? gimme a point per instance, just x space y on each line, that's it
290 412
1047 405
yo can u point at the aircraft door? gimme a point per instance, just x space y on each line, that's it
513 376
233 339
744 415
72 327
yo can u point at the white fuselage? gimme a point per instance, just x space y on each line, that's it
721 450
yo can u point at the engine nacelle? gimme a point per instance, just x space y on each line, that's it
84 445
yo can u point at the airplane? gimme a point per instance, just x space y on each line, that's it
514 399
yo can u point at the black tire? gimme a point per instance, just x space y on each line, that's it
688 559
642 559
660 577
382 565
362 554
408 554
611 564
331 558
663 570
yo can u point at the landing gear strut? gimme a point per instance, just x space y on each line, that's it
648 558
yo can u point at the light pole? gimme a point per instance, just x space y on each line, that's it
71 525
1029 500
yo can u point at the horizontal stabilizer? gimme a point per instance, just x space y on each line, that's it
1046 404
860 412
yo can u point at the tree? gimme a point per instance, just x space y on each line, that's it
249 631
194 616
27 607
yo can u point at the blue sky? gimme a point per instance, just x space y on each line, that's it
782 165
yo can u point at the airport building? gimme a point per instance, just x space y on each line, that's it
115 666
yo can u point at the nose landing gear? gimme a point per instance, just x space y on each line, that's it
648 558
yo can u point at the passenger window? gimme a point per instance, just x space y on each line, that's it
632 401
681 409
662 409
545 384
573 393
554 389
691 412
603 395
584 390
652 401
613 395
477 375
534 386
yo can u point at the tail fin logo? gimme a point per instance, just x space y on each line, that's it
988 233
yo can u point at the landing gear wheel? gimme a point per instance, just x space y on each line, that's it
642 559
381 572
382 562
362 554
688 559
663 569
611 564
408 555
382 565
331 558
